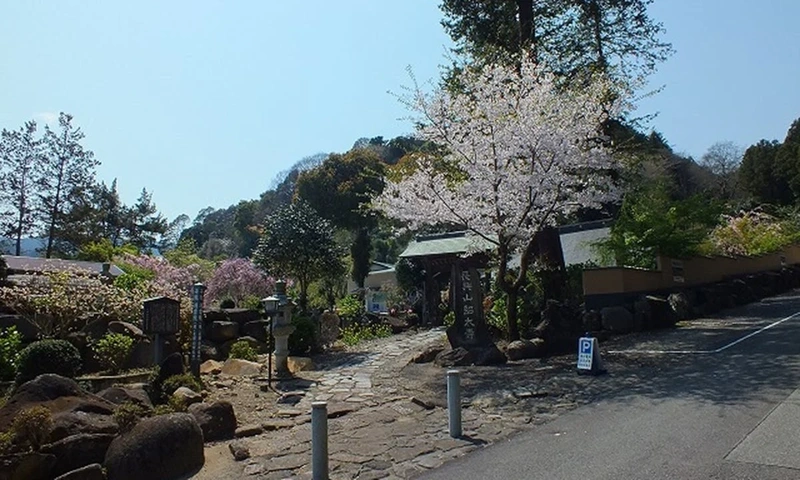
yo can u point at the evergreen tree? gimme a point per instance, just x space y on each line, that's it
20 152
65 179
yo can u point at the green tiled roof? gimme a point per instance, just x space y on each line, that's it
446 244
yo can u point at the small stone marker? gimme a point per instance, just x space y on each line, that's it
589 360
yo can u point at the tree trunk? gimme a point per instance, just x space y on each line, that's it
511 314
551 257
526 30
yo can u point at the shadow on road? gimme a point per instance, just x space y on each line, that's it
757 368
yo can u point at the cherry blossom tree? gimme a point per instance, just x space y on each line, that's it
238 279
519 154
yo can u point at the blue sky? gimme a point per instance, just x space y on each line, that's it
204 102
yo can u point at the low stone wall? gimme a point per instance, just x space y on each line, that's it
637 311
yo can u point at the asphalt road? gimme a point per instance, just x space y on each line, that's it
733 414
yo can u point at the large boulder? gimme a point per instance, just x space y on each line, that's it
74 410
681 305
210 351
142 355
121 395
27 466
220 332
661 313
617 319
217 420
241 315
187 396
521 349
258 329
77 451
237 366
125 328
96 325
457 357
489 355
170 366
89 472
164 447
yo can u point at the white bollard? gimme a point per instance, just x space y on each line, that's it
454 402
319 441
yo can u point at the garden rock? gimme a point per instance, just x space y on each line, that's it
163 447
128 394
125 328
27 466
681 306
521 349
29 331
457 357
96 325
489 355
427 355
241 315
187 396
172 365
661 312
89 472
617 319
216 420
397 324
209 351
211 367
300 364
142 355
220 332
77 451
74 410
258 329
237 366
239 450
214 315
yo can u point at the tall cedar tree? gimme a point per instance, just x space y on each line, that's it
65 179
20 152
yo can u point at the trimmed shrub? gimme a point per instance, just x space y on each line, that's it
128 415
227 303
113 350
304 337
243 350
32 426
6 443
177 381
10 346
48 356
355 334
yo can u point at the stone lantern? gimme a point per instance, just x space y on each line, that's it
279 308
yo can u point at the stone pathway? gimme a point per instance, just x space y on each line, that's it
353 383
388 419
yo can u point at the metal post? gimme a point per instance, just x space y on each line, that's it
319 441
197 326
454 402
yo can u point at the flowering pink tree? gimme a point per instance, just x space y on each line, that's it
238 279
519 154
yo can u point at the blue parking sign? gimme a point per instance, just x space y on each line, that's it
585 353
